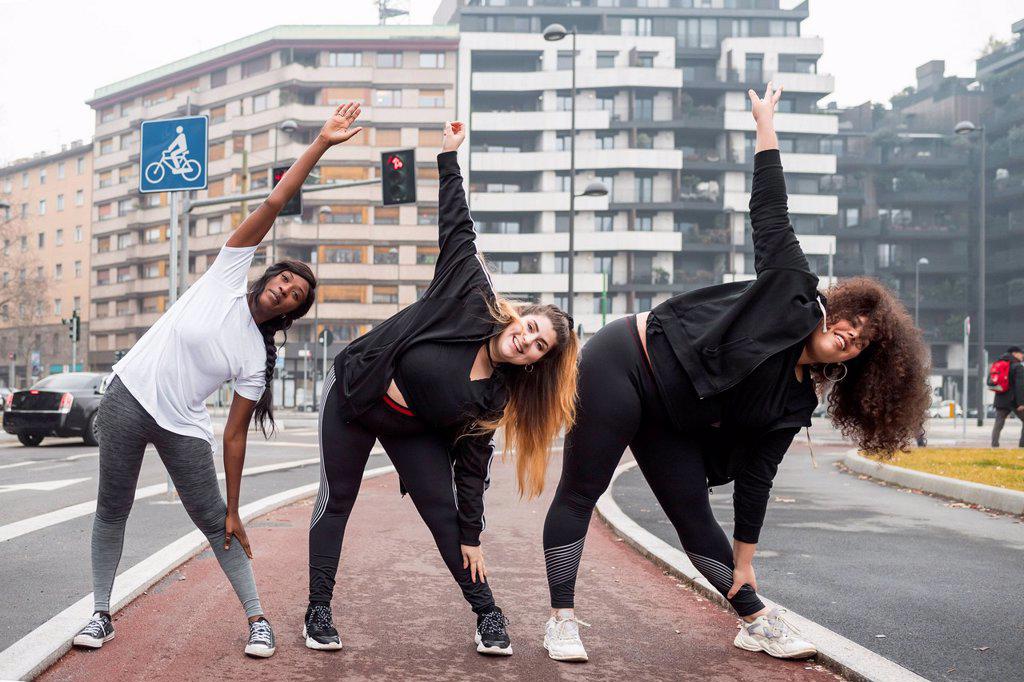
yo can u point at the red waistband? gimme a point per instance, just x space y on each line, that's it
396 407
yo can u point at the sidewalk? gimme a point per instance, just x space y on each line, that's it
401 616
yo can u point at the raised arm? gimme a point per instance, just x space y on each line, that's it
336 130
775 242
455 233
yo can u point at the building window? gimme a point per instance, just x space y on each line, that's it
24 180
432 98
58 271
564 60
107 145
218 114
76 303
388 137
635 26
385 255
426 255
608 181
644 188
431 60
78 234
344 59
852 217
778 28
389 60
562 142
42 207
385 294
78 272
214 225
426 215
60 170
256 66
79 197
606 60
152 234
606 140
218 78
41 240
645 60
260 102
644 222
563 102
125 206
260 141
604 222
42 176
56 306
60 202
643 109
385 215
388 98
24 210
80 165
59 237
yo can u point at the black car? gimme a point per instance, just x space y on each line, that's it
61 405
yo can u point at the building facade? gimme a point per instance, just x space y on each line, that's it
44 265
267 96
663 122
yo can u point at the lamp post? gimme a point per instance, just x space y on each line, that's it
286 126
552 33
594 189
917 289
320 213
966 128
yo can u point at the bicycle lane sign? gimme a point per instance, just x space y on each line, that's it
173 154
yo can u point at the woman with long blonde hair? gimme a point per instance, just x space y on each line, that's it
432 384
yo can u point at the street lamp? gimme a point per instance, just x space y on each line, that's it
917 288
286 126
553 33
597 189
967 128
321 212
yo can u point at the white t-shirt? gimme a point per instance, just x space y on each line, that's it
206 338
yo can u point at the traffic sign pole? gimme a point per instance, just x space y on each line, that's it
967 339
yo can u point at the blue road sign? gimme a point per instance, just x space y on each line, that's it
173 154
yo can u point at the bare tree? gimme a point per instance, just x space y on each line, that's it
23 292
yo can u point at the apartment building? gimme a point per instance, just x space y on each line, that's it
45 218
267 96
662 120
906 210
1001 75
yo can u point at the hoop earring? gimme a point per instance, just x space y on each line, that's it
529 368
837 375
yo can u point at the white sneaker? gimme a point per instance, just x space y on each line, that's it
775 636
562 639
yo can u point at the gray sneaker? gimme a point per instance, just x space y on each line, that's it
261 639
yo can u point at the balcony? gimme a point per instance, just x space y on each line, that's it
586 78
548 283
924 231
936 264
667 116
819 124
590 159
586 119
534 201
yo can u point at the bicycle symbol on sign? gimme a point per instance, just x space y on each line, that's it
174 159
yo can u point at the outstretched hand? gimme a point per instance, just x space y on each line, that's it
338 128
454 134
763 108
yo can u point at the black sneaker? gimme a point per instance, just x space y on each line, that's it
261 639
318 630
98 631
491 635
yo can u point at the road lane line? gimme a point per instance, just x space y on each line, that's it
42 486
20 464
39 649
29 525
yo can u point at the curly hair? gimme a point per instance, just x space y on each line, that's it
882 401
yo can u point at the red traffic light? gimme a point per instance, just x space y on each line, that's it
396 162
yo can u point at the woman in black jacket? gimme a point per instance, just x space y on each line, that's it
432 383
712 385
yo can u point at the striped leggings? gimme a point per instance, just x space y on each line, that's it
618 408
420 456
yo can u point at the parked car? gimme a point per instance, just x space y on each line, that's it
62 405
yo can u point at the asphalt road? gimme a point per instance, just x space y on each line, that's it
44 571
941 582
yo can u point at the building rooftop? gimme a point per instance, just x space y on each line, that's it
292 33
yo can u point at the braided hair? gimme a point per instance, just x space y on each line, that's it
264 412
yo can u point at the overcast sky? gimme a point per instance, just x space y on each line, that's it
55 53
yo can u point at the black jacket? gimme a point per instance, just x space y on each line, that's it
1014 397
453 308
720 334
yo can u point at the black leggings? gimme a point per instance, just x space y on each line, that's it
420 456
619 407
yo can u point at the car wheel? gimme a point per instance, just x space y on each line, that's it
30 440
92 431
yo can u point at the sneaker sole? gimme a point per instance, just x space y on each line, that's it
491 650
566 658
748 645
320 646
87 642
259 651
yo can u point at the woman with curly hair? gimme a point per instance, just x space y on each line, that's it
432 383
712 386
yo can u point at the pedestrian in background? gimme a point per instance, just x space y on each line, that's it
1006 378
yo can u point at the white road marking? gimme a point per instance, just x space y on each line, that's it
42 486
19 464
29 525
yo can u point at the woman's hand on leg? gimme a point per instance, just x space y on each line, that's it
473 559
233 527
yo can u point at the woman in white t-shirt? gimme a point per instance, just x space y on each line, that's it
219 330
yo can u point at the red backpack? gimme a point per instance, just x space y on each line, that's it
999 376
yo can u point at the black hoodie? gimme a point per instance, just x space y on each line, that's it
1013 398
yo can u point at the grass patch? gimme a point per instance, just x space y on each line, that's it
1001 468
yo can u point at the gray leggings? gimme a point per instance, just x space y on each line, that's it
189 461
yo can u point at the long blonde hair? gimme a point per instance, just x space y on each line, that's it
541 402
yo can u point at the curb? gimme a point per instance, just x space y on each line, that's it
849 659
988 496
41 648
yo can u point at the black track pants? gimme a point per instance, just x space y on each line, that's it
619 407
420 456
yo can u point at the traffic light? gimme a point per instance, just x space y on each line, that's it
74 324
118 354
398 177
294 205
325 337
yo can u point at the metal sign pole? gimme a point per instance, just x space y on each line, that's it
967 339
